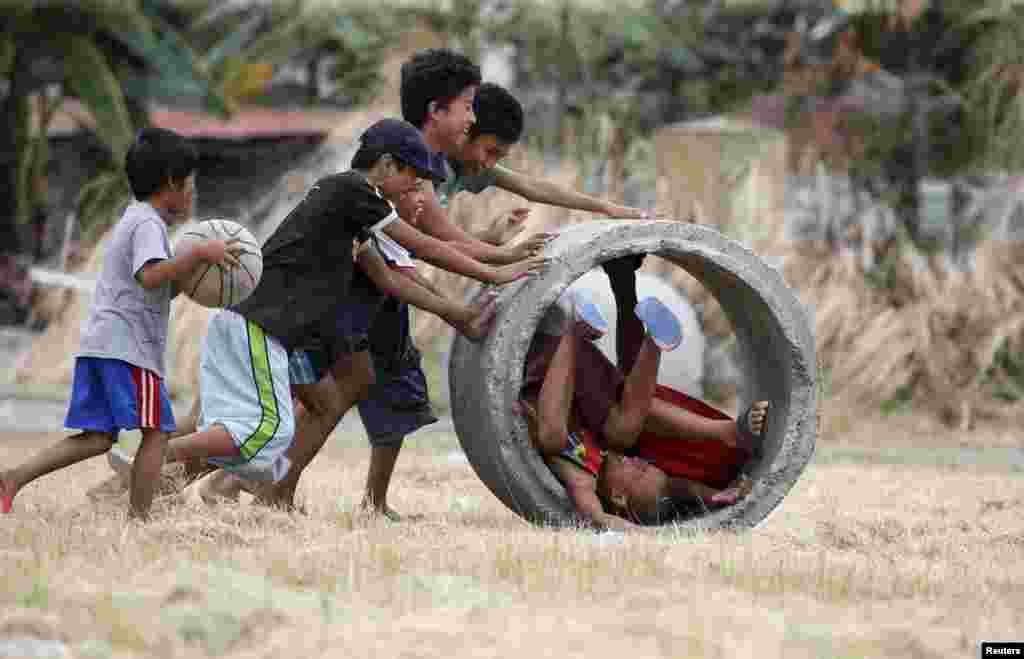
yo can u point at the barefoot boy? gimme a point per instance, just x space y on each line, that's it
474 141
247 415
118 380
621 445
474 129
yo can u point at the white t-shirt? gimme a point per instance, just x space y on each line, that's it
126 321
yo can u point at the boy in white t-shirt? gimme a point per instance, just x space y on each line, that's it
119 370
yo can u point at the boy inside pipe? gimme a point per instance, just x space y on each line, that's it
627 450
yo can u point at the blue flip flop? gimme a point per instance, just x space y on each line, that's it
660 323
584 309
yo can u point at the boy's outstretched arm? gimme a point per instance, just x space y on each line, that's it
582 489
542 191
434 221
469 320
438 253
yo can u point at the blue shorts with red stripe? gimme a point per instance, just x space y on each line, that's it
109 395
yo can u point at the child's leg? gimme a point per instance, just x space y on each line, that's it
671 420
123 464
684 488
222 485
64 453
323 406
213 442
344 357
193 468
146 472
629 329
554 404
398 404
247 415
626 417
662 332
378 477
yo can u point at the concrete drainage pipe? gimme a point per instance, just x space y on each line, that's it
776 350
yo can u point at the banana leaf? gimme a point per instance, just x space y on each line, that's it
175 71
90 79
233 43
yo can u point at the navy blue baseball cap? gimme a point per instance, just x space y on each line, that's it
405 142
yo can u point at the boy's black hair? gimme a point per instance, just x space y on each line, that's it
498 113
435 74
157 157
366 158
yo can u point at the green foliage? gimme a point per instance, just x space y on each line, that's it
108 52
88 77
351 37
995 123
38 597
1004 376
900 401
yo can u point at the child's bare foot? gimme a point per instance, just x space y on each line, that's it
219 486
388 513
7 492
736 491
267 495
751 425
173 476
479 325
109 489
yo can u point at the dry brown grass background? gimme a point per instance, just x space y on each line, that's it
861 560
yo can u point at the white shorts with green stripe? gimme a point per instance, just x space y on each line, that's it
244 386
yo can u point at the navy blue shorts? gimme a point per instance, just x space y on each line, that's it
348 327
109 395
399 402
346 331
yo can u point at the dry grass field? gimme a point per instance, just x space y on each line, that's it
867 557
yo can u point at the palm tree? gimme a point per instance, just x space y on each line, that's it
242 45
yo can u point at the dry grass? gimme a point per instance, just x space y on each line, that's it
868 560
930 336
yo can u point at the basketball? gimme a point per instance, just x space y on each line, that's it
220 286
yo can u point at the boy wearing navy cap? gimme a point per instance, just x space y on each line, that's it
246 418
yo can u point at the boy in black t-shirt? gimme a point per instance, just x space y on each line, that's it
247 420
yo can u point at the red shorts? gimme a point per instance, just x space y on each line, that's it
703 460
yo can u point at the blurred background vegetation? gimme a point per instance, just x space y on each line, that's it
915 106
579 66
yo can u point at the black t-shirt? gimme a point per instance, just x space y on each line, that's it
307 262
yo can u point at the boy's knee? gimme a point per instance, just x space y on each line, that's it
322 402
354 376
621 430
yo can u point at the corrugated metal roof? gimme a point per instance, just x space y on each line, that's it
247 123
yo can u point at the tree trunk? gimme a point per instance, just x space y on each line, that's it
13 150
